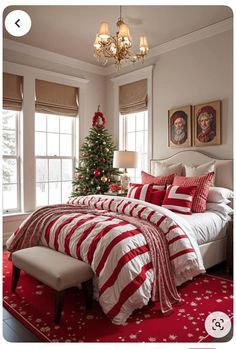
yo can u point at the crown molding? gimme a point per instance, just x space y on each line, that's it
135 75
52 57
204 33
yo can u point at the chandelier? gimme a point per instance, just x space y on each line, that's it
118 47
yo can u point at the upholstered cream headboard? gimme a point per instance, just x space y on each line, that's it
224 168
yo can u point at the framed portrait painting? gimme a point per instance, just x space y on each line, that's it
179 128
207 124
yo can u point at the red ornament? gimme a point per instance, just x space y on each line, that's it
99 120
96 172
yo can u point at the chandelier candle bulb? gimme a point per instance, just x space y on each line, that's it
143 46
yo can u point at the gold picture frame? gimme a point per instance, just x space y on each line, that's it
180 127
207 123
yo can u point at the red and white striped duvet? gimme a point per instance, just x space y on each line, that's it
117 251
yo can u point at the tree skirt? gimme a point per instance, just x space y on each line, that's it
33 306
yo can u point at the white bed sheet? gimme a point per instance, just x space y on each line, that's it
207 226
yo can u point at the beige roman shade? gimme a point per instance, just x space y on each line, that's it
12 92
133 97
52 98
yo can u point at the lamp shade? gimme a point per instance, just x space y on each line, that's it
125 159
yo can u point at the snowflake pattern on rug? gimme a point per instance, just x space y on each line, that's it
33 306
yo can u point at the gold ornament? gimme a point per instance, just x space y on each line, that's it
104 179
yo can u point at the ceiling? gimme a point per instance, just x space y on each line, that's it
70 30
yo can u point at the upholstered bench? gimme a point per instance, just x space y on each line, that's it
56 270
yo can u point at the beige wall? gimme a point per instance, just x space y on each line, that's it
196 73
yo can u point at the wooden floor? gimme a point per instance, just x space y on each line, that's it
14 331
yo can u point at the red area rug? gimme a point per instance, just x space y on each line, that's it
33 306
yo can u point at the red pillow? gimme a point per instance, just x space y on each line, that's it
179 199
203 183
161 180
157 197
140 191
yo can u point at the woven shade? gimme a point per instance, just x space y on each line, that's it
133 97
12 92
52 98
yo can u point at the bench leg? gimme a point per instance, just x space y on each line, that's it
59 298
15 277
87 287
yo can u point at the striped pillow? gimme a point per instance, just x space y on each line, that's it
140 191
179 199
161 180
203 183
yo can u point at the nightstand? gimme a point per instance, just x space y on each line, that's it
229 247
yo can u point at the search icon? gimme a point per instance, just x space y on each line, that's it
217 324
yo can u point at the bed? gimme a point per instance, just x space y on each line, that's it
213 252
138 251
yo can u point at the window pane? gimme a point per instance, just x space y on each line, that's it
41 170
54 193
66 145
66 124
145 148
54 170
40 143
9 119
139 121
53 123
144 162
9 197
146 120
66 170
139 141
9 142
9 167
66 191
40 122
131 172
130 141
130 124
53 144
41 194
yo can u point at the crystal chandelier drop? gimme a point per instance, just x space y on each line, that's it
118 47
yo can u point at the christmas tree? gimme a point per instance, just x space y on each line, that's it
95 172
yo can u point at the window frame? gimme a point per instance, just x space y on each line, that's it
57 157
17 157
124 133
144 73
27 143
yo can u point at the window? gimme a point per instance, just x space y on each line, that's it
11 161
135 137
55 158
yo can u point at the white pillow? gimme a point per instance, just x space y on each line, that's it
192 171
162 169
223 209
218 194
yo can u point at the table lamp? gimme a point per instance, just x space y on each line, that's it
125 159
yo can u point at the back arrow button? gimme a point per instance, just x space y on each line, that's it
16 23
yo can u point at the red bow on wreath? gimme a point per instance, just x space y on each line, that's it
99 119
